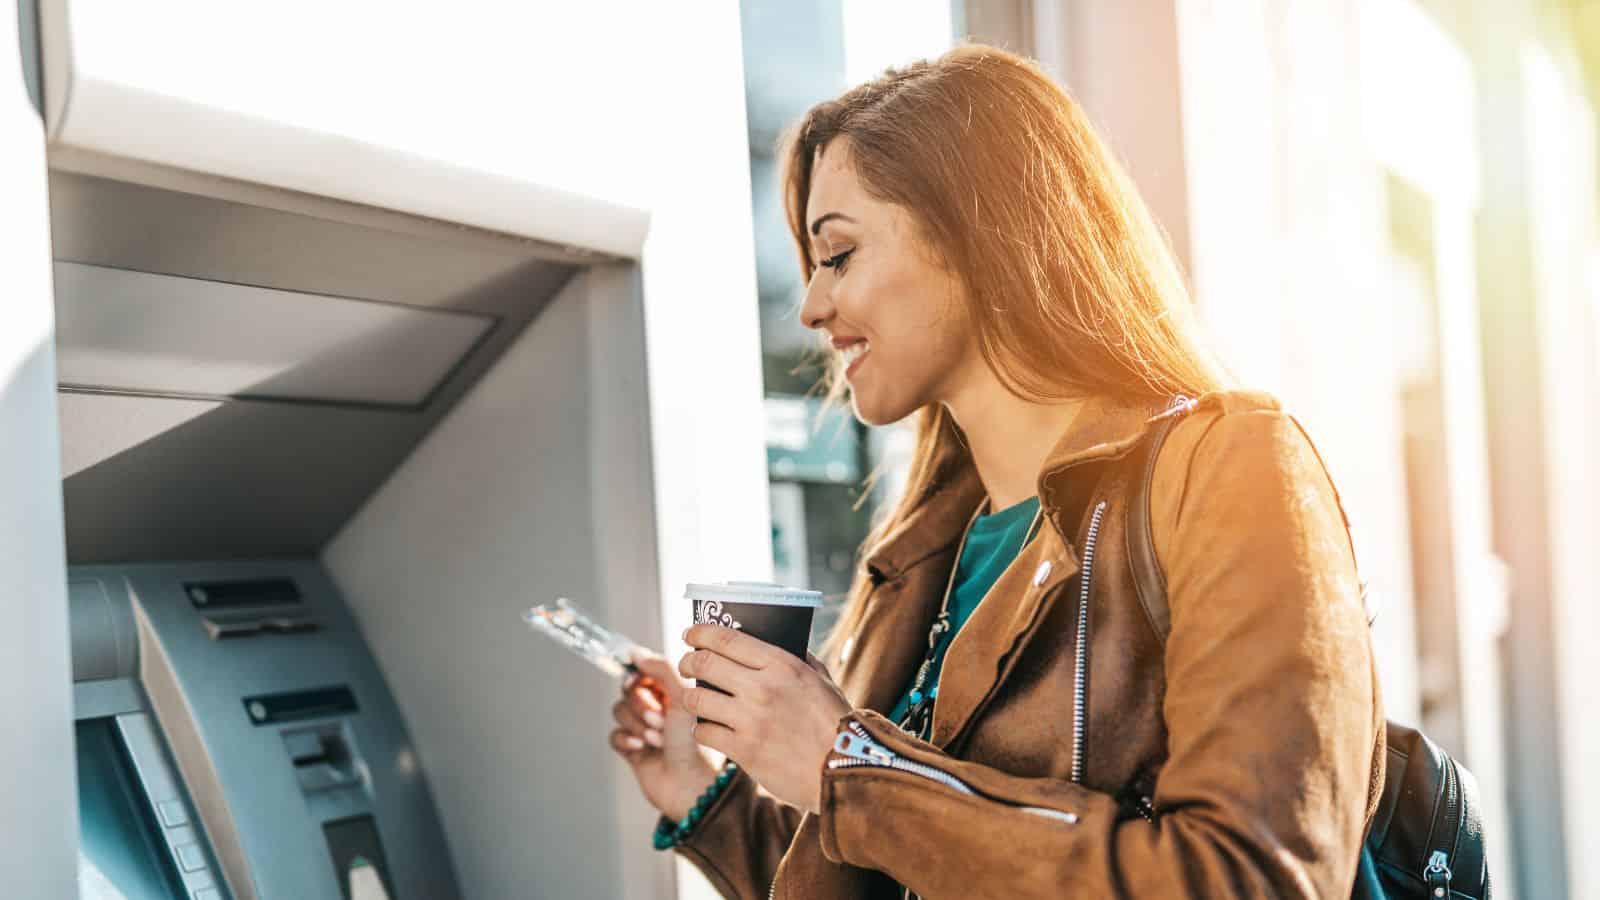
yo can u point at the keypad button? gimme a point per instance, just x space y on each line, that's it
172 813
190 859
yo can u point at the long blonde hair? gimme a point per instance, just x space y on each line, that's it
1070 284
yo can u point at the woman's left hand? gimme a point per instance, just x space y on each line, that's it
781 719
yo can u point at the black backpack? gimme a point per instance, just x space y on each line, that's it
1426 837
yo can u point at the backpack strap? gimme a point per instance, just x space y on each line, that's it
1148 579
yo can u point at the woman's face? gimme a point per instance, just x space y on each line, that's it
894 318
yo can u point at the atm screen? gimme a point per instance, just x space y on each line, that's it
120 855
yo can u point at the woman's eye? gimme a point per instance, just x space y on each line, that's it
837 261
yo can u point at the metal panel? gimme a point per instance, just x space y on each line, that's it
140 332
188 478
104 645
137 216
37 776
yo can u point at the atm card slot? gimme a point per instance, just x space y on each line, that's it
240 593
268 709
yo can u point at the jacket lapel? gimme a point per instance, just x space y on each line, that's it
983 652
912 564
909 567
981 655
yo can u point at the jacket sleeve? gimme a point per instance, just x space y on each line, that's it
1271 709
741 839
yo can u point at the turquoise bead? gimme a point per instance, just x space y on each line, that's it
934 692
668 835
916 697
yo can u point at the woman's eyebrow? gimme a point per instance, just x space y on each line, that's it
817 225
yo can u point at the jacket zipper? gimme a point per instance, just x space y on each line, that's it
860 749
1436 874
1080 687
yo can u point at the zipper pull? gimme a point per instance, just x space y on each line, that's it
1437 875
863 748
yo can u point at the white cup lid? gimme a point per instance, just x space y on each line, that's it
764 592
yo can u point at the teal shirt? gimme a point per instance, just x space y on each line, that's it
995 540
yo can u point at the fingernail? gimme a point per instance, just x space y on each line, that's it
632 743
652 737
653 718
686 634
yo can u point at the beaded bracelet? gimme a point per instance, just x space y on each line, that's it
668 835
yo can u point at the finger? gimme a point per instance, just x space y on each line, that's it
661 671
709 704
645 701
708 665
631 720
653 689
625 744
817 664
733 643
720 738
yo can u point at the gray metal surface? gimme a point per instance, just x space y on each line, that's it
265 829
538 485
147 333
105 644
28 31
37 775
151 219
151 478
98 699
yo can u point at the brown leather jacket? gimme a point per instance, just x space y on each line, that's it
1242 759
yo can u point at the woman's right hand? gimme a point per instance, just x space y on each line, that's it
672 770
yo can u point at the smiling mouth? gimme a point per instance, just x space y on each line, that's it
852 357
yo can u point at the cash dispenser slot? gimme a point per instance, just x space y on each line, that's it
241 625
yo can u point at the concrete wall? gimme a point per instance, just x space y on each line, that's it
1560 164
39 831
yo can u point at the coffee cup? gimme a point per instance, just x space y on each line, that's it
778 615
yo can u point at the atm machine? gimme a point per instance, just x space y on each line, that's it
272 402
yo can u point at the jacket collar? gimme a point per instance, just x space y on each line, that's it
1104 429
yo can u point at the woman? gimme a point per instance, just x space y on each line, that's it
978 260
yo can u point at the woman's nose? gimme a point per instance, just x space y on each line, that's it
817 309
